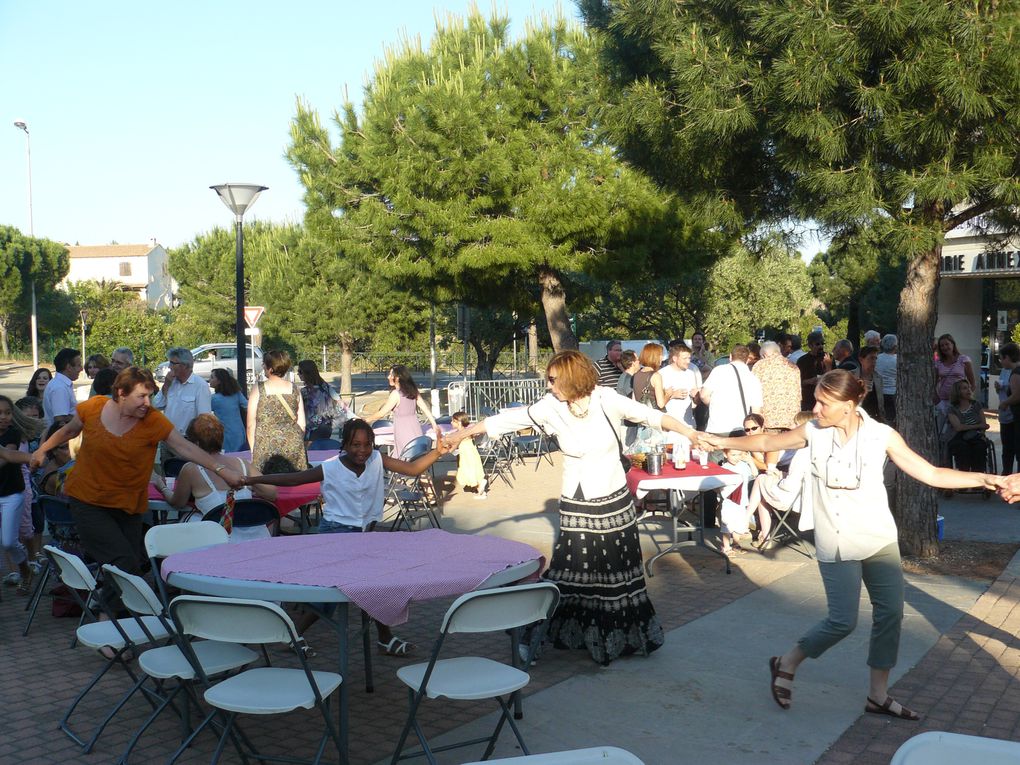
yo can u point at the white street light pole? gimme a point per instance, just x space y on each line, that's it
22 125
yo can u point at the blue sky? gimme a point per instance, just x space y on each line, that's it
136 108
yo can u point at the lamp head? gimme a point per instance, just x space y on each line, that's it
238 197
21 125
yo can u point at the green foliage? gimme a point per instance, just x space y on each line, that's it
24 261
114 316
473 173
749 291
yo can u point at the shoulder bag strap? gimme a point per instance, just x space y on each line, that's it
286 405
740 385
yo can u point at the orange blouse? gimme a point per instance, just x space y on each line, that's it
113 471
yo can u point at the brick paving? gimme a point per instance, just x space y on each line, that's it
963 683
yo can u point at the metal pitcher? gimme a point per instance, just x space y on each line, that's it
653 463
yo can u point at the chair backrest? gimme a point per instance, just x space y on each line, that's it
376 424
172 466
323 444
416 447
56 509
72 569
232 620
135 593
249 513
167 539
501 609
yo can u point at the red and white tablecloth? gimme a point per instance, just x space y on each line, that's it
692 478
288 498
380 572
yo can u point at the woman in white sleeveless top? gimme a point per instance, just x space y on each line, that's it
205 487
855 533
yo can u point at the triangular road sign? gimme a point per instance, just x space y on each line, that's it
252 314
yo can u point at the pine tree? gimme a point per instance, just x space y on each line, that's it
899 116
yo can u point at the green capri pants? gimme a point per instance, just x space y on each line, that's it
882 574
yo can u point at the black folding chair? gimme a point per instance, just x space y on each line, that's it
249 513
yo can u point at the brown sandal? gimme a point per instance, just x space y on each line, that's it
782 684
892 708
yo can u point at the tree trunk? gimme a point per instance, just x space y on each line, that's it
4 348
533 347
346 363
915 505
853 322
554 302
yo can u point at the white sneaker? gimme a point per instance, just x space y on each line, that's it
482 495
36 566
12 579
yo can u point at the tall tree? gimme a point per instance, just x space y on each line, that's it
25 260
473 173
896 116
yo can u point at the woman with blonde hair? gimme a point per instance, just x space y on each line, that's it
855 534
596 561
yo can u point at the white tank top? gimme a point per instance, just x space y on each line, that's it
217 497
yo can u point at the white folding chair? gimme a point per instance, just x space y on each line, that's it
257 691
169 662
121 635
600 755
474 677
161 541
940 748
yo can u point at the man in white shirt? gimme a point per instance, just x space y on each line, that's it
184 395
681 381
58 396
731 392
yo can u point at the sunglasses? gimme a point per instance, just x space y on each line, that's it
752 430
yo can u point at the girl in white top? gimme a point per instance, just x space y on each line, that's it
596 561
208 490
352 497
855 534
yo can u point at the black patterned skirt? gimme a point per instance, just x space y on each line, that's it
596 564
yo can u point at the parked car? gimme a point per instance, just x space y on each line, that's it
212 355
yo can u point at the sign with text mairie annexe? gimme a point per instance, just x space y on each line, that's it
988 263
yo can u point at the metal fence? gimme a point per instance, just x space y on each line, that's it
448 361
480 398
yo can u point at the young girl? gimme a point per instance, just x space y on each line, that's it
352 497
32 521
470 473
741 463
15 427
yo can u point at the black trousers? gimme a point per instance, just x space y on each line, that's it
1008 434
109 536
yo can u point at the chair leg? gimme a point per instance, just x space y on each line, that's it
413 701
37 593
145 726
64 721
221 744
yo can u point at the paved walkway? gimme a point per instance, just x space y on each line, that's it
702 697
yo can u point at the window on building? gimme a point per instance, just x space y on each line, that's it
125 268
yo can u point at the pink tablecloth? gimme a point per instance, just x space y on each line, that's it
384 433
380 572
671 478
287 497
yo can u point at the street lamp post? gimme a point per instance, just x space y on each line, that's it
22 125
238 197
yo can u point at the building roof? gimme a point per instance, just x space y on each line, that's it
110 250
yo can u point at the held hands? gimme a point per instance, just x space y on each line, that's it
706 442
37 460
443 446
1008 486
233 478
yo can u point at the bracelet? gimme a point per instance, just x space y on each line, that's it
218 468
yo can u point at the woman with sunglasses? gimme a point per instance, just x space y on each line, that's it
596 561
855 534
754 423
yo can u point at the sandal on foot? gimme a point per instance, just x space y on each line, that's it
892 708
782 684
396 647
25 585
729 552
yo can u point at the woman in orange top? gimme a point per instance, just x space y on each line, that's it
108 488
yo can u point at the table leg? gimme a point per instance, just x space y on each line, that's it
695 531
342 706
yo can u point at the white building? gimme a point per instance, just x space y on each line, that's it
142 268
